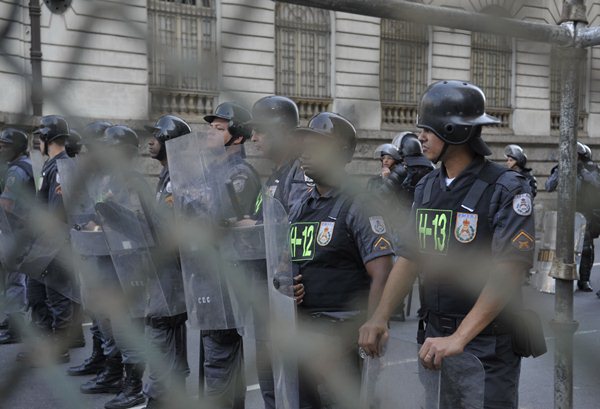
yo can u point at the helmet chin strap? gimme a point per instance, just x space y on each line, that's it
229 142
162 153
442 153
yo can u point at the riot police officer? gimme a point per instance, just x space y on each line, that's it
588 203
103 345
471 237
120 144
17 188
51 309
416 165
341 255
517 161
166 333
222 350
273 120
389 157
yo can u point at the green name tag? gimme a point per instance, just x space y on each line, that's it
433 230
302 240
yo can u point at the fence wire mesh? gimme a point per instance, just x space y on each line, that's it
100 178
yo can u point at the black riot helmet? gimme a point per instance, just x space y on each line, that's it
275 114
74 143
516 152
168 127
388 149
455 112
52 127
237 117
120 135
15 141
408 144
94 131
584 152
333 126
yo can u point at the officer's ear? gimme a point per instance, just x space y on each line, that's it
238 141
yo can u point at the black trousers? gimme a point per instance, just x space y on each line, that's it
223 364
587 255
50 310
332 356
167 358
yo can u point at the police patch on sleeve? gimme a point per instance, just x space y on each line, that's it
239 184
522 204
523 241
169 188
10 181
466 227
325 233
377 224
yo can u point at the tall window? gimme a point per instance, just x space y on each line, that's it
403 70
556 88
303 53
404 64
183 68
491 69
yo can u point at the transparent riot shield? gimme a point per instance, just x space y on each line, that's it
198 168
37 163
6 240
79 188
546 250
398 380
45 257
128 235
282 303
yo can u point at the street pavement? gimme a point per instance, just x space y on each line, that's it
46 389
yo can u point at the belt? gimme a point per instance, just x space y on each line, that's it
159 322
448 325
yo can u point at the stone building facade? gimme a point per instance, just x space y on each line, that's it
131 61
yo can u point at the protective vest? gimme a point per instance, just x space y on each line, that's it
325 253
454 237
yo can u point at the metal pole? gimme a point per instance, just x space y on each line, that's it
564 269
37 97
447 17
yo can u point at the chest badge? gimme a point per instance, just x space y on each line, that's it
522 204
325 233
465 229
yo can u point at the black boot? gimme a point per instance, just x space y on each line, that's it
93 364
132 389
584 286
154 404
109 380
11 334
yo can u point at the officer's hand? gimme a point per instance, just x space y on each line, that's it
434 350
385 172
298 290
372 336
246 222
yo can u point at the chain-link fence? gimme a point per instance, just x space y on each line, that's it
111 252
